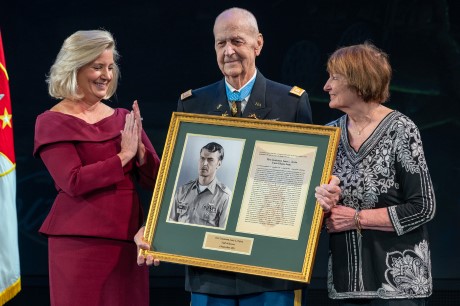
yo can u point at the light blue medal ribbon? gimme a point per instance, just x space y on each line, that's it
242 94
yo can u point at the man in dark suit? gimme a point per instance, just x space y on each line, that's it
237 44
243 92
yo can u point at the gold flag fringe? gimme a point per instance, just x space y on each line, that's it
10 292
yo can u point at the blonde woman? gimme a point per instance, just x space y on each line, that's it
94 154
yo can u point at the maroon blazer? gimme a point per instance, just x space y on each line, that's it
96 195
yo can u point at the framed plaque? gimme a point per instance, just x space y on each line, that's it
238 194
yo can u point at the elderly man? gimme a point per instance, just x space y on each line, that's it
244 92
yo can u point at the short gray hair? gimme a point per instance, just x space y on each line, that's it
78 50
247 17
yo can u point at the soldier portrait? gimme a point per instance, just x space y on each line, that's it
203 190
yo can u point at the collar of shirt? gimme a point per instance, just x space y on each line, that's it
211 186
245 90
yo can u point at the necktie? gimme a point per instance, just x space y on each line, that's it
235 97
236 108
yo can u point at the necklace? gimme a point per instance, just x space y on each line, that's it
361 129
369 117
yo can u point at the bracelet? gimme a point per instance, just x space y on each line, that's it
358 222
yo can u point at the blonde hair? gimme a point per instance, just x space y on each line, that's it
366 68
78 50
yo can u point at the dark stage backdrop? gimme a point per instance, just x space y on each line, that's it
167 47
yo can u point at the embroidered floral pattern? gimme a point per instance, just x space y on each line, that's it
408 272
388 171
371 172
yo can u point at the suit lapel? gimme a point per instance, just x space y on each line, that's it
220 103
256 107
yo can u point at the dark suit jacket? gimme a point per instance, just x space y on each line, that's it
268 100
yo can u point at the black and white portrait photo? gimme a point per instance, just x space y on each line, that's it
206 179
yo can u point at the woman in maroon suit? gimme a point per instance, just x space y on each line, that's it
94 154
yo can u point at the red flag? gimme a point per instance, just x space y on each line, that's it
6 126
10 278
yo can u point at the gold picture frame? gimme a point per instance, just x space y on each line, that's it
272 220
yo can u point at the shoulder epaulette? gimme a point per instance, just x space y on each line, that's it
189 185
297 91
224 188
186 94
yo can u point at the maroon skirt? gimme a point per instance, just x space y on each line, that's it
96 272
